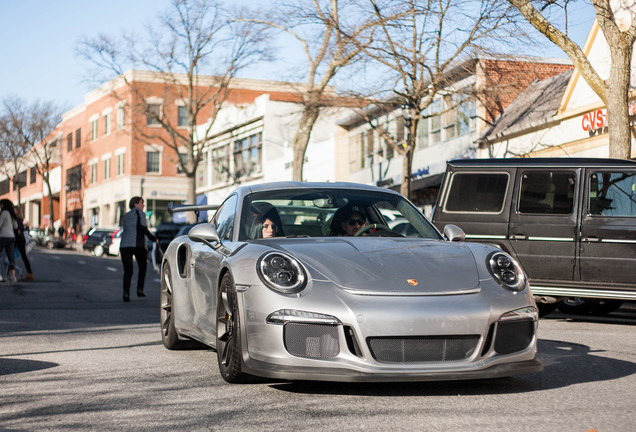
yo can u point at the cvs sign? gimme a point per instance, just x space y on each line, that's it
594 120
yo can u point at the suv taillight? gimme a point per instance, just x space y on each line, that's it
85 237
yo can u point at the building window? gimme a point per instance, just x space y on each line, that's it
449 118
78 138
202 171
362 144
4 187
33 175
93 171
220 164
121 117
153 159
466 114
93 130
106 169
120 163
153 114
106 124
69 142
183 118
436 121
183 159
247 155
74 178
19 181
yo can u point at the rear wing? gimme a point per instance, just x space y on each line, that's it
196 208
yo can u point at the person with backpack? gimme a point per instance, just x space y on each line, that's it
133 243
8 226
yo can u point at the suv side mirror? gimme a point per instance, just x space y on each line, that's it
205 233
454 233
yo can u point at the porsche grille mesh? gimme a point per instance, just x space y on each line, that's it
422 349
311 340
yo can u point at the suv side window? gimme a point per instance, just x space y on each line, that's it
224 218
547 192
613 194
477 192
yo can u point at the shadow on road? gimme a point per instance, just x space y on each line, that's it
565 364
14 366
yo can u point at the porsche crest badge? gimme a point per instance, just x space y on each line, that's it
412 282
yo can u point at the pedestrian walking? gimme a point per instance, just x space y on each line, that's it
133 243
20 243
8 225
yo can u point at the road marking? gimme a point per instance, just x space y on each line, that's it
81 262
111 269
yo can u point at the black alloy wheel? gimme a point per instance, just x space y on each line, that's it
228 334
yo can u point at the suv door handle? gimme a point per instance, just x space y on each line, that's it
519 237
591 239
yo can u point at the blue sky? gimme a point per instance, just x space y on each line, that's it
37 55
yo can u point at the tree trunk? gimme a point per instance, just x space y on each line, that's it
48 187
191 217
620 141
406 188
301 140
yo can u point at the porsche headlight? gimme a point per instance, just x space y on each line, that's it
281 272
506 271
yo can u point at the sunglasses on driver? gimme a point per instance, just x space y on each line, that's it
359 222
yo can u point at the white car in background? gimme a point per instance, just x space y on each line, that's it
113 249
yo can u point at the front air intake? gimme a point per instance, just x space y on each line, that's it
311 340
422 348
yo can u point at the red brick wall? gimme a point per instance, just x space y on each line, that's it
504 80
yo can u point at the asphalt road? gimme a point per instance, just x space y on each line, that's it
73 356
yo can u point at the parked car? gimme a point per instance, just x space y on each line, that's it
115 242
569 222
376 306
38 235
54 242
113 248
97 240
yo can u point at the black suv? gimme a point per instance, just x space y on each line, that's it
166 231
97 240
570 222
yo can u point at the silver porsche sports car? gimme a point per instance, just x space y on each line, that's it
307 281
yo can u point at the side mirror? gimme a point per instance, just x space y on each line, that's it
205 233
454 233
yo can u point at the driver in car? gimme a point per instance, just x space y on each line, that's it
348 220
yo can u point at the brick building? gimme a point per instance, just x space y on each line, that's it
108 151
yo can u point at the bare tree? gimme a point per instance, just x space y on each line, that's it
194 50
26 141
421 44
314 25
620 34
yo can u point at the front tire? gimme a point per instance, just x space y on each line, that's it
228 334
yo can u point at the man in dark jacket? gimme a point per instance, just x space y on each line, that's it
133 243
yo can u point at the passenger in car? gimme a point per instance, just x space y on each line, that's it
269 225
348 220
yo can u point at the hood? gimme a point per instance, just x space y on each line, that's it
388 266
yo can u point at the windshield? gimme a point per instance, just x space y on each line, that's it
331 212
